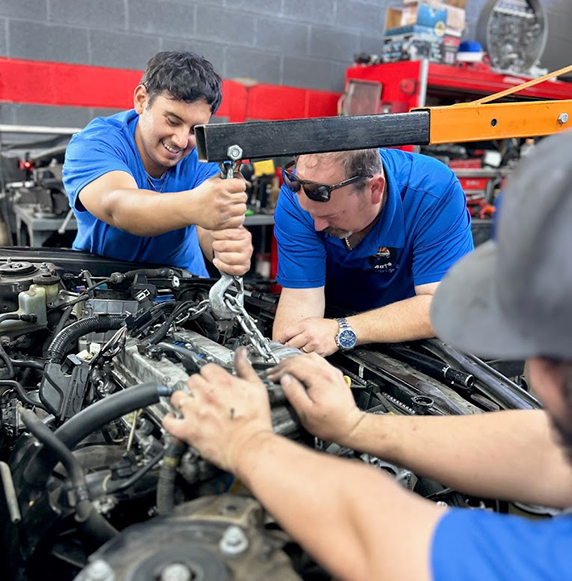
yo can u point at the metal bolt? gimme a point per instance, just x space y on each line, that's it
234 152
563 118
233 541
99 571
176 572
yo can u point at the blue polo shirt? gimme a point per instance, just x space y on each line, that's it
108 144
476 545
423 229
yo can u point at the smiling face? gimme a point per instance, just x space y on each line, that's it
165 131
349 210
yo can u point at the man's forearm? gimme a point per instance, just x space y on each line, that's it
507 455
206 242
404 320
351 518
146 213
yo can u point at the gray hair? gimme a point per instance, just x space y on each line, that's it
360 162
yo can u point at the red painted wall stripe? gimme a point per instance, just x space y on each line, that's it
59 84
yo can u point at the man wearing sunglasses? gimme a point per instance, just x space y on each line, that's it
370 232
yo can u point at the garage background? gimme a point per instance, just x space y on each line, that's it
299 43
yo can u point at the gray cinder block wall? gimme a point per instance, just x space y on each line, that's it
301 43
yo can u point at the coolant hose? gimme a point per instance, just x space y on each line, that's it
167 475
67 337
93 524
91 419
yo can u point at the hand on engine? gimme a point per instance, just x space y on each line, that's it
222 414
232 250
320 395
312 335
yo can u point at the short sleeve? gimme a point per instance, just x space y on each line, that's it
443 236
301 250
474 545
87 159
203 172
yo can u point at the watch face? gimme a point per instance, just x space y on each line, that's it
347 339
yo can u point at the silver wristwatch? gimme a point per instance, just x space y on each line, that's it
346 337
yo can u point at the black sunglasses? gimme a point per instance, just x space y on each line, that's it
314 190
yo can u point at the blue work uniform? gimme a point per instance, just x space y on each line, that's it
423 229
476 545
108 144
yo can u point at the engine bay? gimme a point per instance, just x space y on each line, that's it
94 489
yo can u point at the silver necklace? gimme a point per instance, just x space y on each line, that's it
158 188
347 243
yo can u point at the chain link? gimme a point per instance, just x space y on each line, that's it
259 342
194 312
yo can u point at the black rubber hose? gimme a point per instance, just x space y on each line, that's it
434 368
163 272
66 338
89 520
7 362
22 395
114 487
495 386
91 419
28 363
167 475
63 320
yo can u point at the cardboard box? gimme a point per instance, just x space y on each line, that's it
416 14
455 18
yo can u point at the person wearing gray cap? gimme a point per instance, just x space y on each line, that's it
509 298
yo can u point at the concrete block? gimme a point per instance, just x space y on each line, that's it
120 50
257 6
360 15
288 38
371 44
48 42
211 51
7 114
314 12
338 76
102 112
254 64
3 37
172 19
228 26
51 116
106 14
36 10
333 44
306 73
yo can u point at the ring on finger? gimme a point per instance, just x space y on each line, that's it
181 400
305 350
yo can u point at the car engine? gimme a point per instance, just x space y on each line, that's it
94 489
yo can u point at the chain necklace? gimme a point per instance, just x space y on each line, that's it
162 181
347 242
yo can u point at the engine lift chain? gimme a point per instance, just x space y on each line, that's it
227 294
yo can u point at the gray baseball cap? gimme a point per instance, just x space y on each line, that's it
511 298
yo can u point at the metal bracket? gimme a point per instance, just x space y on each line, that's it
264 139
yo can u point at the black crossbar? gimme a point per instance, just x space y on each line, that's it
266 139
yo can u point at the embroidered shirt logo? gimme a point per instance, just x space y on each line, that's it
384 260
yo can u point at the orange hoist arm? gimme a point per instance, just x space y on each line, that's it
481 120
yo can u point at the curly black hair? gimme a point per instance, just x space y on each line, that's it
186 76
